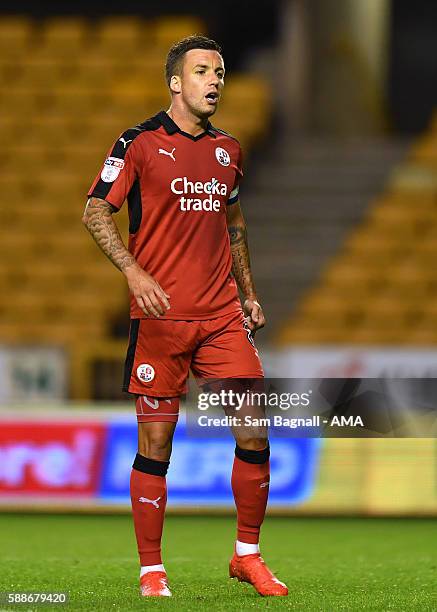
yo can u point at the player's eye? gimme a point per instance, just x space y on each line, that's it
200 71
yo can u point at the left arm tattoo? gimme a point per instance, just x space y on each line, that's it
241 260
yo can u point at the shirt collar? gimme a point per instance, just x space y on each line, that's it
171 127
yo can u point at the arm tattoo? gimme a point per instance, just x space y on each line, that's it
100 224
240 259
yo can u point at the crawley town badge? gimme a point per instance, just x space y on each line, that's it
222 156
111 169
145 372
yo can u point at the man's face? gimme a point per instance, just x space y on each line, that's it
202 81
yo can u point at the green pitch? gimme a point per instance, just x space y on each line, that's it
328 564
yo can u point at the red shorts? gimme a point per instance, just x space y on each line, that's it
162 351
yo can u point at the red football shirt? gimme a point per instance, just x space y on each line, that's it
177 187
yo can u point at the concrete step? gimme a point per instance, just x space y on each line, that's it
300 203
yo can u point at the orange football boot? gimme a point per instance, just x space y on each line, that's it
252 569
154 584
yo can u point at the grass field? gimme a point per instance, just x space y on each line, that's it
329 564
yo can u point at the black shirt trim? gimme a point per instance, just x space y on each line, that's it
171 127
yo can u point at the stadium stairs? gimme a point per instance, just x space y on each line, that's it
305 200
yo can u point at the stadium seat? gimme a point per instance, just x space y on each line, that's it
41 71
15 35
22 100
65 35
414 177
129 34
369 335
169 30
73 99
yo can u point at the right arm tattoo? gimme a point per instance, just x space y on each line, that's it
100 224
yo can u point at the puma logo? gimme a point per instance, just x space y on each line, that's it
125 142
154 502
263 484
170 154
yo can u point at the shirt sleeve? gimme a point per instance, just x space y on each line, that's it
234 195
118 173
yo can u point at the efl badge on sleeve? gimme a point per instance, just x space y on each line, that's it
111 169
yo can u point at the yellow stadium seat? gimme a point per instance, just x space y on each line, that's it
386 312
377 335
149 67
429 309
404 199
389 213
55 333
123 34
15 35
103 130
22 100
51 132
31 158
72 99
169 30
369 244
413 177
408 274
424 334
98 68
11 68
331 306
41 71
348 274
65 35
426 251
313 335
12 185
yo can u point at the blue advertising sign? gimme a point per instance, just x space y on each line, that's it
200 469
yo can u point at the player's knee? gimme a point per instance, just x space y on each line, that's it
159 448
155 442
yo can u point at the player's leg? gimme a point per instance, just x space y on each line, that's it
156 369
148 490
250 486
228 353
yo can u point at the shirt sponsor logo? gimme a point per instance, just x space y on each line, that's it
183 187
222 156
145 372
111 169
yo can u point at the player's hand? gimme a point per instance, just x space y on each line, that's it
254 315
149 294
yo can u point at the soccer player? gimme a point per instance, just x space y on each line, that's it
187 252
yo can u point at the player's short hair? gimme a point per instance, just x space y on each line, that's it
175 56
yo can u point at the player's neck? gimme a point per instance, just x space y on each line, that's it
187 122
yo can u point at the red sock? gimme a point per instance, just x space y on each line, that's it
149 497
250 473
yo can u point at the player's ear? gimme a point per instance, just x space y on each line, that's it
175 84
